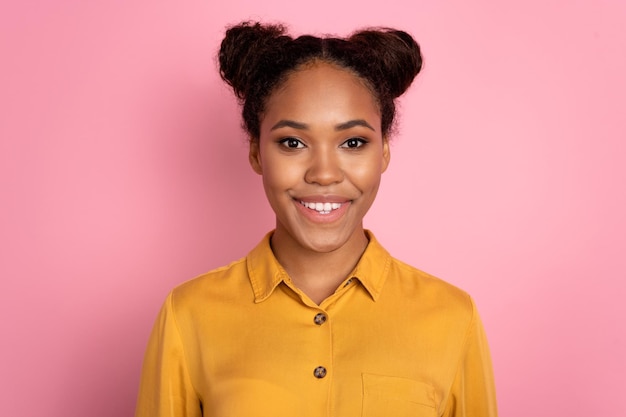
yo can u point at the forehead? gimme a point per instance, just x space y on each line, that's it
322 92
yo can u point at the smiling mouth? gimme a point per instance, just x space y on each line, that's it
322 208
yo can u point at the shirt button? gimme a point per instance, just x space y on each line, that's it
319 372
319 318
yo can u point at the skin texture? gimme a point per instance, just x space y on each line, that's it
320 141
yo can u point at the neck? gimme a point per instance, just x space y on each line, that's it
318 274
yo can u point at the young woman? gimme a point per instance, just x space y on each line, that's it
318 319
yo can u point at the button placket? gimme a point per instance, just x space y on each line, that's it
319 319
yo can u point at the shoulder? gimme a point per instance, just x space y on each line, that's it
428 290
230 286
403 284
215 284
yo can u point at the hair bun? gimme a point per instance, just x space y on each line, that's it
396 54
243 48
255 58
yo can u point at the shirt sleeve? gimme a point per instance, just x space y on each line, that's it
165 389
473 390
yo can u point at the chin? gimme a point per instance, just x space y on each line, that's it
324 244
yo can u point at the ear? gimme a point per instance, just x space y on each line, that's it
386 154
254 156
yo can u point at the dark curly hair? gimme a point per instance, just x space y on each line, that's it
257 58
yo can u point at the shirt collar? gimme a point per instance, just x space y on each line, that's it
266 273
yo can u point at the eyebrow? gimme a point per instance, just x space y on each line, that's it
290 123
352 123
342 126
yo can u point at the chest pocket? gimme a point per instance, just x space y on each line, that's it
385 396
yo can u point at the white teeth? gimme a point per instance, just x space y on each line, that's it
323 208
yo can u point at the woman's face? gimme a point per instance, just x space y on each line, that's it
321 154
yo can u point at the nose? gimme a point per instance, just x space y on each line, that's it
324 168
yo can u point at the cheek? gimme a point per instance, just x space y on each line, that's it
367 176
279 174
271 179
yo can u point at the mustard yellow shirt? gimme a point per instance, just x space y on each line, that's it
243 341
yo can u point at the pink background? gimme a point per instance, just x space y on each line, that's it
123 171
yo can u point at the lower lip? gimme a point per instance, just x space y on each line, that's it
317 217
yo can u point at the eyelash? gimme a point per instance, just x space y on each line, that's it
359 143
287 142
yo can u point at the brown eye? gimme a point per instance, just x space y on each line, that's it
354 143
292 143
